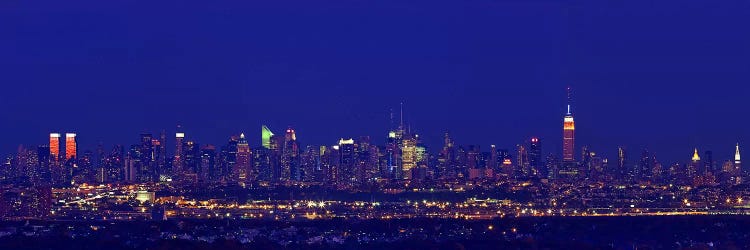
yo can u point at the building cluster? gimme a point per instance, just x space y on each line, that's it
355 164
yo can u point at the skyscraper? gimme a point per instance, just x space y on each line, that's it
708 162
70 146
207 167
54 146
178 162
569 133
408 156
290 167
345 169
522 161
535 157
737 162
622 171
243 166
265 136
694 164
570 168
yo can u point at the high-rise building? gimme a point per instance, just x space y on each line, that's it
146 154
408 156
54 146
178 161
446 159
70 146
43 168
646 166
535 157
737 162
310 163
191 153
622 171
290 162
345 169
207 170
569 168
695 165
569 133
708 162
265 136
522 161
243 167
262 164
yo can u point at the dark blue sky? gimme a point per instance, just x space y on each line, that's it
667 75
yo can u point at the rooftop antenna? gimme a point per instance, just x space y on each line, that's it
570 98
401 123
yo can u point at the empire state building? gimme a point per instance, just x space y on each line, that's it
569 134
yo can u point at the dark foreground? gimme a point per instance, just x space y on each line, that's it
682 232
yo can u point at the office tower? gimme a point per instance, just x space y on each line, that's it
535 157
146 154
329 161
243 166
645 167
622 172
290 162
43 167
423 160
367 160
408 156
54 146
163 170
446 159
522 161
310 162
552 163
26 166
130 166
113 165
226 161
178 161
262 168
83 169
70 146
191 152
694 165
159 168
275 147
737 162
708 162
265 136
347 161
492 162
569 133
207 170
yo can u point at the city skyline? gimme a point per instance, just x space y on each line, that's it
557 148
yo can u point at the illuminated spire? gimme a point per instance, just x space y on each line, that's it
570 99
242 136
695 155
737 153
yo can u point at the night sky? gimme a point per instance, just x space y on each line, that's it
667 75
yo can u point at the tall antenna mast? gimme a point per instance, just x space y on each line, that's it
570 99
401 123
